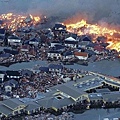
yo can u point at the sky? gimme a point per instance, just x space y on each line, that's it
96 10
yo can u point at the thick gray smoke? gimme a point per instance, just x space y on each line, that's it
105 10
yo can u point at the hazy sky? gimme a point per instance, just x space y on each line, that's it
106 10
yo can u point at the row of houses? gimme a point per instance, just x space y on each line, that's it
15 40
67 55
11 74
84 41
57 43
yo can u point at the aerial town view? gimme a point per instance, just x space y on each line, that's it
59 60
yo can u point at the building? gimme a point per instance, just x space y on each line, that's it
54 54
67 55
53 43
59 27
81 55
12 74
11 107
55 67
61 96
83 44
32 107
14 40
71 42
34 41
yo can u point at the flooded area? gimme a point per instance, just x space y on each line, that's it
111 68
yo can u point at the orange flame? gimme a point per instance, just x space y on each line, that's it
95 30
13 22
37 19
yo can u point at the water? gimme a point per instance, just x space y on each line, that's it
111 68
105 67
98 114
24 65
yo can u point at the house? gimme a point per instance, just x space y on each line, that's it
26 72
70 39
34 41
59 27
11 107
7 87
70 90
14 40
12 74
32 107
5 111
83 44
72 44
12 52
67 55
13 83
54 54
55 67
53 43
81 55
55 102
59 48
86 38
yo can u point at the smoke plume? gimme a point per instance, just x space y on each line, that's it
94 10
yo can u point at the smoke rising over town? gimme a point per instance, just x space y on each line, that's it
94 10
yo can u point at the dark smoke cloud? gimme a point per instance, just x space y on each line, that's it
98 10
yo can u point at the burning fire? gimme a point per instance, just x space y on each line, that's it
95 30
14 22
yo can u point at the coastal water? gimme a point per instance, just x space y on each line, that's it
99 114
111 68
